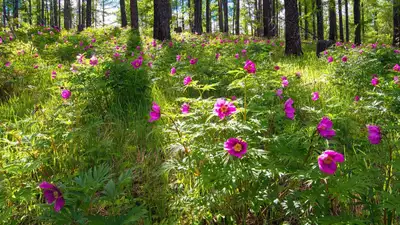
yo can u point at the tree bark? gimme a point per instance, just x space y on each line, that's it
292 35
83 13
237 26
226 28
267 18
190 16
4 13
357 38
124 21
208 17
55 13
320 20
314 27
340 21
162 18
134 14
306 20
396 23
346 8
197 17
182 14
220 16
29 11
43 20
332 21
15 13
67 14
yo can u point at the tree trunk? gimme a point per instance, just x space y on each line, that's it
225 3
320 20
124 22
83 13
162 18
134 14
306 20
197 17
292 35
300 19
362 21
346 8
103 14
340 21
357 38
182 14
59 14
267 18
79 13
15 12
43 20
190 16
29 11
67 14
4 13
208 17
220 16
396 23
237 28
332 21
314 27
55 14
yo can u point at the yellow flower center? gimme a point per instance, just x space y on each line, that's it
55 194
237 147
328 160
224 108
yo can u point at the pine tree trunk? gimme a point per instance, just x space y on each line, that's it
197 17
208 17
306 20
103 14
162 18
314 27
79 13
300 21
340 21
267 18
67 14
182 14
225 3
190 16
362 21
346 8
83 13
292 35
220 16
320 20
332 21
30 11
134 14
59 13
233 16
357 38
43 20
55 14
396 23
4 13
15 13
237 26
124 21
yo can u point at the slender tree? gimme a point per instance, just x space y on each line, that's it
332 20
220 16
300 17
306 20
320 20
182 14
89 13
197 17
267 18
340 21
190 15
4 13
292 34
396 23
134 14
79 14
208 17
346 9
225 3
38 7
314 27
162 18
55 13
67 14
124 22
357 38
16 12
237 28
42 18
29 11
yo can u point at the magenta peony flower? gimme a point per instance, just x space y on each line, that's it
187 80
357 98
7 64
94 61
155 113
233 98
65 94
298 74
178 58
326 52
396 51
315 96
53 74
185 108
150 64
276 68
330 59
327 161
236 147
237 55
285 82
279 93
374 134
59 66
136 63
1 41
375 81
250 67
396 68
353 46
244 51
396 79
344 59
217 55
289 110
193 61
224 108
52 194
173 70
325 128
35 66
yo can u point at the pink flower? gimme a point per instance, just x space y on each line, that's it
396 51
236 147
65 94
224 108
185 108
353 46
276 68
326 52
279 93
357 98
193 61
80 58
330 59
136 63
217 56
237 55
396 68
285 82
155 113
289 110
35 66
173 70
59 66
52 194
93 61
298 74
107 74
327 161
53 74
325 128
374 134
187 80
375 81
150 64
233 98
396 79
244 51
93 40
1 41
178 58
315 96
361 51
116 55
344 59
7 64
250 67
